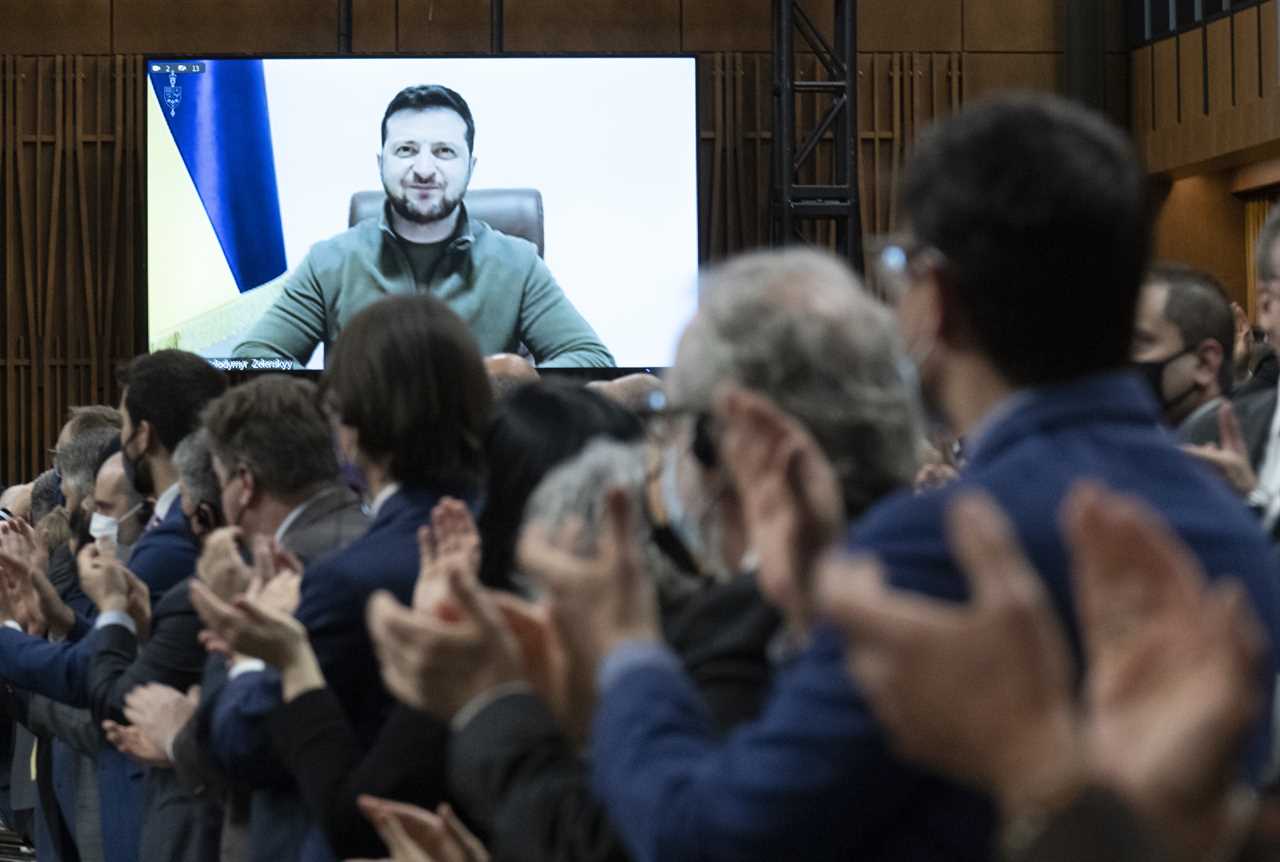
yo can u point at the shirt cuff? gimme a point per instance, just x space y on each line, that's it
13 624
115 618
246 665
482 701
630 655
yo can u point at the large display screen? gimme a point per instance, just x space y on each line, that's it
559 218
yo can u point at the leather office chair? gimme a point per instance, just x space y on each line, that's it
516 212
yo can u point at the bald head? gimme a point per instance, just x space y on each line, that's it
507 371
17 499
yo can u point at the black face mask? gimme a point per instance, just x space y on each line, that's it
136 470
1153 373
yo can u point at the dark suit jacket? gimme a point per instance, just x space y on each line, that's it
1255 413
814 777
165 555
273 821
523 785
335 591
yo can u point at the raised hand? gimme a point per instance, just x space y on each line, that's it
413 834
133 742
440 663
450 544
159 713
104 579
1230 457
791 500
221 566
600 599
249 625
1173 665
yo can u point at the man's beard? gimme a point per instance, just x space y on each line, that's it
411 212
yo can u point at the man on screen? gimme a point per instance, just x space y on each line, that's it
424 242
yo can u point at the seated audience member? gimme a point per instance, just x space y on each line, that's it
407 390
1004 195
1183 338
982 693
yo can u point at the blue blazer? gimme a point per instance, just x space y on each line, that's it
814 778
163 556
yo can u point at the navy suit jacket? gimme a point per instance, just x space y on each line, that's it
334 593
814 777
163 556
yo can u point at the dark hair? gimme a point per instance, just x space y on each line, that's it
1268 235
44 495
1041 210
1197 304
275 427
407 375
169 388
80 459
535 428
424 97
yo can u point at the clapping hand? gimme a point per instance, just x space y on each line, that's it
413 834
791 500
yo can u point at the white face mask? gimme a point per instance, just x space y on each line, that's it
104 526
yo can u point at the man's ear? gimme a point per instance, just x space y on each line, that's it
1211 356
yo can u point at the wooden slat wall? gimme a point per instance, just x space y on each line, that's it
72 136
1178 128
71 181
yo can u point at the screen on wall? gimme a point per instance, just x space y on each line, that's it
551 202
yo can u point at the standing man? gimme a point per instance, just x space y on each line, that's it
1183 340
424 242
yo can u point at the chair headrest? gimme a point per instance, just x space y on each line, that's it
517 212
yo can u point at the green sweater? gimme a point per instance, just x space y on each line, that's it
496 283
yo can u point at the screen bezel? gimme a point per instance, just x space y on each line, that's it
586 374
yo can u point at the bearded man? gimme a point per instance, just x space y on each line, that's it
424 242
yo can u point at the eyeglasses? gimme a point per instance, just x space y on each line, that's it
664 423
895 261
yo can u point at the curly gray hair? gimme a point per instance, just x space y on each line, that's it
798 327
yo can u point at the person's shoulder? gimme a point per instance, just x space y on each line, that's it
361 239
494 247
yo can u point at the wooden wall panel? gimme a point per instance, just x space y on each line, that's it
373 26
593 25
1245 53
1140 101
445 26
1165 84
741 25
71 205
1220 54
56 26
1014 25
987 73
1202 224
1269 28
1191 75
909 25
224 26
1117 91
